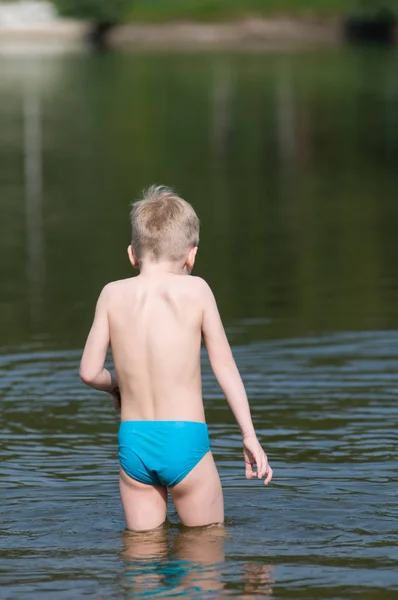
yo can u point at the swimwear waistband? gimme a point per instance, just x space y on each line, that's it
152 421
162 426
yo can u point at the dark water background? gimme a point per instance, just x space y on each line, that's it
292 164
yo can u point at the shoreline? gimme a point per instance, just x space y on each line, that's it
247 34
250 34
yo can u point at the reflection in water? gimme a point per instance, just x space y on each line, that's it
286 159
258 581
163 563
222 92
156 564
285 117
34 196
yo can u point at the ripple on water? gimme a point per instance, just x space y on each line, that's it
325 409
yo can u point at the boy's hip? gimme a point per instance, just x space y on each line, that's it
161 452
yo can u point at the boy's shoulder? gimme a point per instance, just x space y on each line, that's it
192 284
197 284
115 287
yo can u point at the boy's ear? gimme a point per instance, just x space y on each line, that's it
132 258
190 262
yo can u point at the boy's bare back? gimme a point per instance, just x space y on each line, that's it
155 324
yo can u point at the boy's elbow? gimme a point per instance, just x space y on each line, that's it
86 375
84 378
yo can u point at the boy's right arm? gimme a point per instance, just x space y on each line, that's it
224 367
92 371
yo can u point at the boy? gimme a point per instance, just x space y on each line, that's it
154 324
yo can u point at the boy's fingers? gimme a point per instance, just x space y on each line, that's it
269 476
262 466
263 469
249 471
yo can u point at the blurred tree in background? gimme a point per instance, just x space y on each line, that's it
165 10
372 7
113 11
103 14
372 21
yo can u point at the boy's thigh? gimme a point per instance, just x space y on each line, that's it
144 506
198 498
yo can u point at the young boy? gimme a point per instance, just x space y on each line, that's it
154 324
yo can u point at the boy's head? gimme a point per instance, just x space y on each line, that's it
164 226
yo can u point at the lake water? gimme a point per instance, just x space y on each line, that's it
291 163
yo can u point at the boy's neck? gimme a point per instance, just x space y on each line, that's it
162 268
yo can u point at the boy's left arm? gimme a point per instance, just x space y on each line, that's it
92 371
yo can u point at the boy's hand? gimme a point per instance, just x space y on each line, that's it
255 455
117 400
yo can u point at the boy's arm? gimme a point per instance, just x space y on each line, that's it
92 371
224 367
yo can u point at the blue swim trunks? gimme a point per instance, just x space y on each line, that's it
161 452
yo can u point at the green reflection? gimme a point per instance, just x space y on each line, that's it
290 161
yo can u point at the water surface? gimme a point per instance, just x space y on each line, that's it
290 161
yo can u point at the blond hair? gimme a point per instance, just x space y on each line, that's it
164 226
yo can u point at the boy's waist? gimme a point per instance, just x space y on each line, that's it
160 423
188 410
160 431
